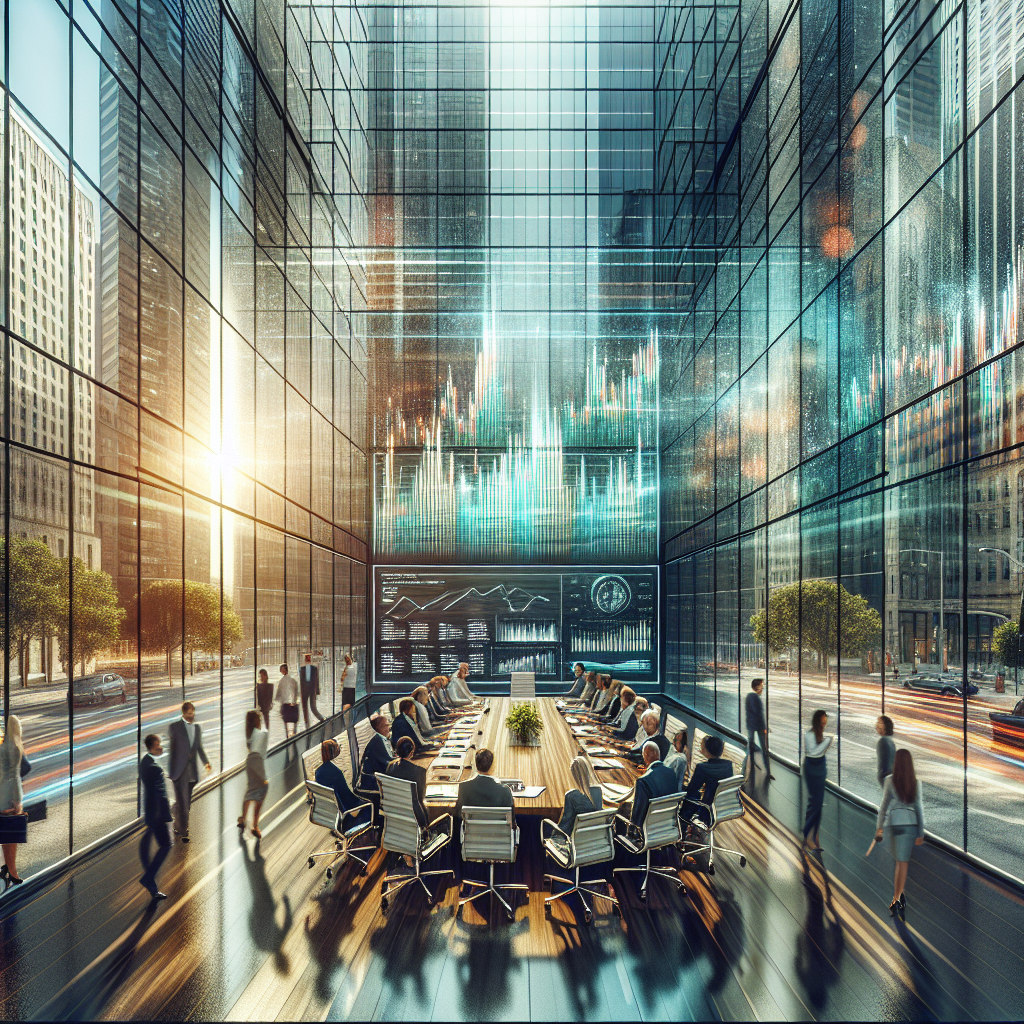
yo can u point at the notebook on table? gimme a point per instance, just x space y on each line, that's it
442 791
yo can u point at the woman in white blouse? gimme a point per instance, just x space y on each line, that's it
256 783
816 744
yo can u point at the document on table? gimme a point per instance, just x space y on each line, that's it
613 792
442 791
528 792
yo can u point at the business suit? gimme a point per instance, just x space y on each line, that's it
483 791
636 754
329 774
576 803
756 727
577 687
612 711
403 768
377 755
629 728
656 781
184 768
703 786
156 811
404 726
309 687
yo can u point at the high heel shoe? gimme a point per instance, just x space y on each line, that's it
903 906
894 908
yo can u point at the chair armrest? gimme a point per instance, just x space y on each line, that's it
548 821
625 821
436 823
358 809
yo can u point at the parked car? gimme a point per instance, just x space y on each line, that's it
937 684
1009 727
99 688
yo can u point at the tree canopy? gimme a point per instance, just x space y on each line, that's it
186 615
95 616
821 615
1005 642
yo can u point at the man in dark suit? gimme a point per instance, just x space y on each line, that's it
650 722
405 725
186 747
756 726
705 779
309 687
377 755
156 811
403 767
483 790
658 780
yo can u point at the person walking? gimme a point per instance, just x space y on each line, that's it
756 727
309 683
186 737
901 823
885 749
256 782
287 697
12 796
156 812
349 674
265 697
816 744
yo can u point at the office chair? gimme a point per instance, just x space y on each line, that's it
590 842
325 811
404 834
725 806
489 836
660 828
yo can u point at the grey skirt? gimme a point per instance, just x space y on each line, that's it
255 773
900 839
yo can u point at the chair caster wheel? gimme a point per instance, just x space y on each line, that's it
330 872
362 872
643 895
430 903
588 917
383 887
383 905
510 915
547 909
311 861
616 910
711 869
743 862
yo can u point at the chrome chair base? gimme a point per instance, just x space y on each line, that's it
342 852
490 887
650 871
580 890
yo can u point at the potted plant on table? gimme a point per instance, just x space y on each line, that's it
524 722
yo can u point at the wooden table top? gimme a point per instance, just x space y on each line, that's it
546 765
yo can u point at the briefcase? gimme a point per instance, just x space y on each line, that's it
13 828
290 713
36 811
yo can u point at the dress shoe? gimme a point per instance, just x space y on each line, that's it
185 839
158 896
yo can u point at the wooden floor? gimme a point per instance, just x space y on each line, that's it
250 933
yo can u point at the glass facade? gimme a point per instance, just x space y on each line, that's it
186 455
842 501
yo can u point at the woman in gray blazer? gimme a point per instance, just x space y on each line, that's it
584 798
901 824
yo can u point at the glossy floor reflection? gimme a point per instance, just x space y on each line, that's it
250 933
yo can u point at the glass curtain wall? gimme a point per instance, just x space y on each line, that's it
843 416
185 467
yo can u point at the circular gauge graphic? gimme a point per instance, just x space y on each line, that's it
610 595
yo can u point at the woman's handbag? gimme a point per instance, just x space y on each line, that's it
26 766
290 713
13 828
36 811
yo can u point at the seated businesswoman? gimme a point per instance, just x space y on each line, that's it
405 725
600 695
613 705
585 797
330 775
589 688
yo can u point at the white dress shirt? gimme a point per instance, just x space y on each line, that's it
351 674
258 741
812 748
190 732
287 690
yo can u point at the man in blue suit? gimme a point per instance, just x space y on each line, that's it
705 779
658 780
156 811
405 725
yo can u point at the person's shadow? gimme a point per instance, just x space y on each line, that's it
484 970
334 921
266 933
820 944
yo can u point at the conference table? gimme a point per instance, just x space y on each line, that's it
546 765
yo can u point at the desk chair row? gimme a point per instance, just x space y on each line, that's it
489 835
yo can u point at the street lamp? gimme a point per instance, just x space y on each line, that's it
1019 565
941 636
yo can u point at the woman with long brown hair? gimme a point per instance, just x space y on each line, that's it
901 822
256 783
816 744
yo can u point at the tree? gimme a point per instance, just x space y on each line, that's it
187 616
34 605
1005 642
90 615
821 615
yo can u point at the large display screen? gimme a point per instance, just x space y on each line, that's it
502 621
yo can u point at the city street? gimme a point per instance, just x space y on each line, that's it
106 753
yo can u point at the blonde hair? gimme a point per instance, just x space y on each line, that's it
641 704
418 691
615 686
627 696
582 772
13 733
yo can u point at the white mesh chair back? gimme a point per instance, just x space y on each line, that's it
324 810
661 823
524 685
488 834
727 804
592 837
401 829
